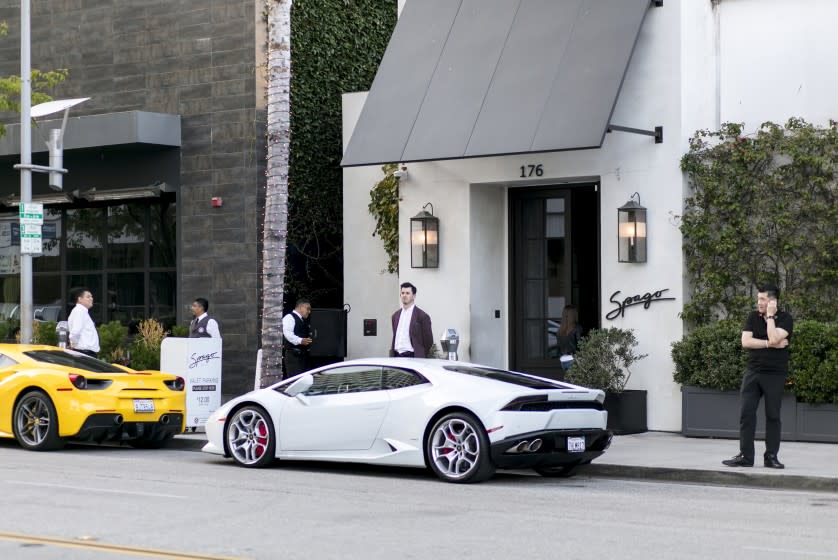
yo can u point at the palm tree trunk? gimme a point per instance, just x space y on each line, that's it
276 195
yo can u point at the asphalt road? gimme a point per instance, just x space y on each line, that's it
95 503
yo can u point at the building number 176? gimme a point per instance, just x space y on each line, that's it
530 170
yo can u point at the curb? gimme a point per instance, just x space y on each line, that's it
196 441
718 478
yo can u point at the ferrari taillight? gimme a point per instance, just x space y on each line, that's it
78 381
176 384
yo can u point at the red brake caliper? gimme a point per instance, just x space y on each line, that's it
262 438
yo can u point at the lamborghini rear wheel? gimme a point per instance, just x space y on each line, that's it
36 422
458 449
250 437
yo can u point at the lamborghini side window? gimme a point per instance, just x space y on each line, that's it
399 378
353 379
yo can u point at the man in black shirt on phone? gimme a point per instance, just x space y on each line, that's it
766 337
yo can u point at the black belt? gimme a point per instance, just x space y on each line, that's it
405 354
90 353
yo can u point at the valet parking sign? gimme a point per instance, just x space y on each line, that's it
198 361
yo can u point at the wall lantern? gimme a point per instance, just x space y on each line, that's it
424 239
631 231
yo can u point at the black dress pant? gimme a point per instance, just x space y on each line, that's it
296 361
755 386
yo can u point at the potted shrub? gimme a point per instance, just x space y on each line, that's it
179 331
112 339
602 362
145 350
814 374
710 362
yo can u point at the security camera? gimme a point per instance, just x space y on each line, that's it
400 173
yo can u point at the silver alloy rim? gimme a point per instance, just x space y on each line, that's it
455 448
248 436
33 421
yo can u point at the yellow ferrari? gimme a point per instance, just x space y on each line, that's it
49 395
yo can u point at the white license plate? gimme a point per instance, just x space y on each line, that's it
575 444
143 405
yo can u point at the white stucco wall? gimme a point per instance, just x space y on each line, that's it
694 66
778 61
370 292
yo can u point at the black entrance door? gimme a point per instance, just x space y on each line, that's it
554 262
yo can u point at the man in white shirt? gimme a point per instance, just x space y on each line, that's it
83 335
202 326
412 334
296 331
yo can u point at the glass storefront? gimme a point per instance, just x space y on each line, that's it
123 253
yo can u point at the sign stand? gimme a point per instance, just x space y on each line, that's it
198 361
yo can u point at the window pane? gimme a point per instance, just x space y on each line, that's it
126 297
163 234
47 298
9 244
84 239
162 304
50 258
9 305
92 282
398 378
126 236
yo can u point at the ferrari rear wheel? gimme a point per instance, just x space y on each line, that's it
250 437
36 423
458 449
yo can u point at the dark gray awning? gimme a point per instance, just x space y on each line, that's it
96 131
470 78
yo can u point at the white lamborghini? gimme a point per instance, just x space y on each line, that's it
461 420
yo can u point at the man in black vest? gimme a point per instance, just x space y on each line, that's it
296 330
202 326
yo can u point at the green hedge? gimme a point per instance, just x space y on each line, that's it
711 356
336 47
814 362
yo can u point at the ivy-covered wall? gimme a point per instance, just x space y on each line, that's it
762 208
336 47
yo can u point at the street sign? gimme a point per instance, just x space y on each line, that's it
30 238
32 213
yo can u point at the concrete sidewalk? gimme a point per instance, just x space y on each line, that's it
666 456
671 456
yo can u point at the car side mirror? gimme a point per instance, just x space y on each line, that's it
300 385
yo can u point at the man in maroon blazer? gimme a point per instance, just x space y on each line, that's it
412 334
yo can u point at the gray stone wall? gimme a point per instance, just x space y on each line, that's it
198 59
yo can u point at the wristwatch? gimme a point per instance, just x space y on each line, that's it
770 317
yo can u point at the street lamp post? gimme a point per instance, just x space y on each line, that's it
55 169
26 315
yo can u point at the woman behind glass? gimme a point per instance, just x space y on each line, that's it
570 332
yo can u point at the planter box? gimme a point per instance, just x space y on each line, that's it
714 413
817 422
626 412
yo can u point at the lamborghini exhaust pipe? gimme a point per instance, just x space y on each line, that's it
521 447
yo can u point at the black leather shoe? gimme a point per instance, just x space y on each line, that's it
739 461
772 462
